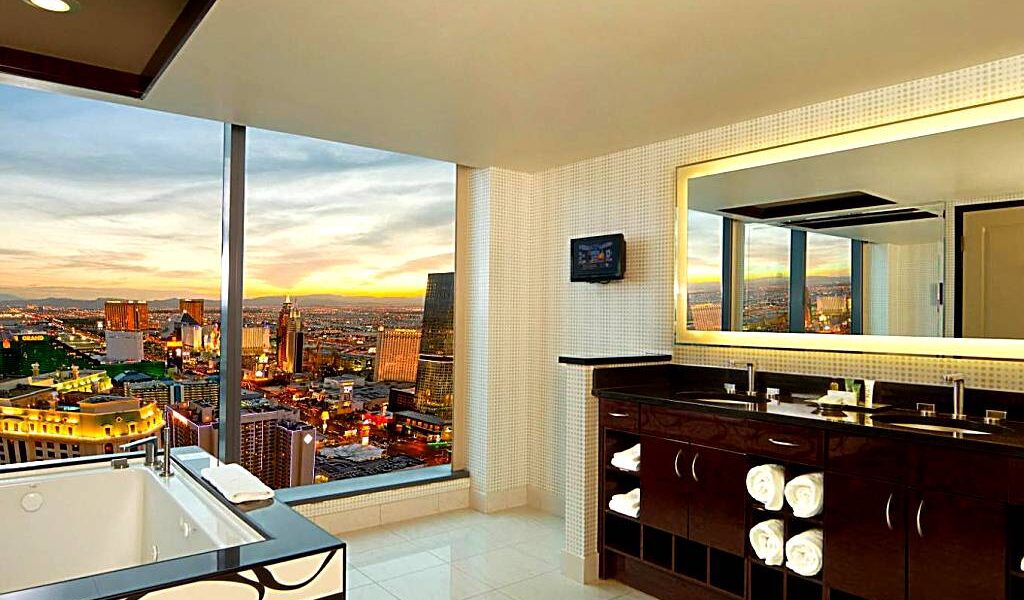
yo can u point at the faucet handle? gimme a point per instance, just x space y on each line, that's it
741 364
995 416
926 409
953 378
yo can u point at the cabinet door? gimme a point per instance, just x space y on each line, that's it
865 537
663 484
957 547
718 500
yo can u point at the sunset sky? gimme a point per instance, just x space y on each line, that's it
106 200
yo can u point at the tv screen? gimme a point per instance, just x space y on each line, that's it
599 258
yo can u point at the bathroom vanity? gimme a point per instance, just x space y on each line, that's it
111 527
909 512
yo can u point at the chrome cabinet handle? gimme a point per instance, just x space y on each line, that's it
675 463
693 467
783 443
888 512
618 415
920 508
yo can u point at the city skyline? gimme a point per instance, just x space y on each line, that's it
148 184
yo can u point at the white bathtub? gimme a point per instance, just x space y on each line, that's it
66 522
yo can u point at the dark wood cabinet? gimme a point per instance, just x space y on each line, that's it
664 484
956 547
866 537
718 499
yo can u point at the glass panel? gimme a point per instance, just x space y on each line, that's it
765 278
828 298
348 309
703 271
111 219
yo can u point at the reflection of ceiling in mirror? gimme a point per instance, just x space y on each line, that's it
968 163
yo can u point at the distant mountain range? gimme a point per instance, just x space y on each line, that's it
325 300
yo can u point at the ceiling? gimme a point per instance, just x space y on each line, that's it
137 26
532 84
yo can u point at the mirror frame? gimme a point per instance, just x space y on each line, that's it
963 118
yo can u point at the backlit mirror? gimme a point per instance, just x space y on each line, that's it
920 237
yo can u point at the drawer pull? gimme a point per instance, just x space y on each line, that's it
783 443
675 464
920 508
888 513
693 467
618 415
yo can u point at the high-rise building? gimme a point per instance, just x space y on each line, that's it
124 346
397 353
276 446
126 315
255 340
289 338
434 386
194 307
158 392
438 337
203 391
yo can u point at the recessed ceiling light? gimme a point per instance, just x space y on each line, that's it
57 6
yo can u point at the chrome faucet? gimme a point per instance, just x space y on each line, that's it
751 375
958 394
149 443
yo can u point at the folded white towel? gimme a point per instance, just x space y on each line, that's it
632 453
237 484
627 460
766 538
803 553
806 494
626 504
766 484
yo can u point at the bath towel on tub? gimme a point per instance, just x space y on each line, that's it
237 484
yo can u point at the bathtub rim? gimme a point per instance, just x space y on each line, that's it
287 536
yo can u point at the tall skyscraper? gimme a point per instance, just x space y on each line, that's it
289 338
255 340
397 353
124 346
125 315
194 307
434 373
439 315
433 394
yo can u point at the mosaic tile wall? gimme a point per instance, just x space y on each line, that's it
634 192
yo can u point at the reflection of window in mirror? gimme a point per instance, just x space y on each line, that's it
703 271
765 278
828 301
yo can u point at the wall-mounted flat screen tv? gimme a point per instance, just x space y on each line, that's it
600 258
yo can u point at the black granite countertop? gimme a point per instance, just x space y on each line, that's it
288 535
801 411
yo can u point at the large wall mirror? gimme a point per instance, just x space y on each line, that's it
903 238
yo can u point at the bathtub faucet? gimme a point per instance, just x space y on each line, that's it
149 444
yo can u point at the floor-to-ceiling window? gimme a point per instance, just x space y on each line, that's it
704 271
110 276
765 278
828 298
349 298
111 230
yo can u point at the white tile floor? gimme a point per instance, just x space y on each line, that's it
511 555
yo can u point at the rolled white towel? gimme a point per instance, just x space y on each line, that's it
806 494
767 540
766 484
626 504
803 553
237 484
